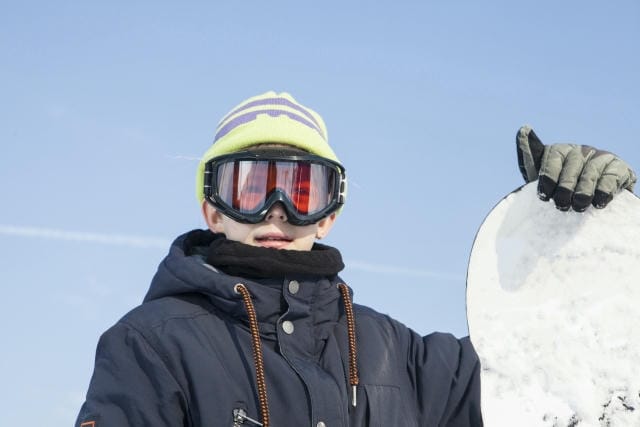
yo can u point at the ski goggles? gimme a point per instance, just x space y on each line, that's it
245 185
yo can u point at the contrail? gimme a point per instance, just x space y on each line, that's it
80 236
181 157
134 241
403 271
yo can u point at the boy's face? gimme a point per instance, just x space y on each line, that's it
274 232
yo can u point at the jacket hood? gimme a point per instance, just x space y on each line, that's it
183 271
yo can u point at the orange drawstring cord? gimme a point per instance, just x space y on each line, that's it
257 352
351 330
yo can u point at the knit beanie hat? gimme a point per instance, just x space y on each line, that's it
268 118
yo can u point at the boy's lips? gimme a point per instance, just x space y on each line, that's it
273 240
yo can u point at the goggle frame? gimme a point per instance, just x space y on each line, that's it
294 217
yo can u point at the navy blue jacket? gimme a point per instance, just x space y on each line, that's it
184 358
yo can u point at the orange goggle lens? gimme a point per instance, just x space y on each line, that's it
245 185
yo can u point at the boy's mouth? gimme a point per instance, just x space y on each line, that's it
273 240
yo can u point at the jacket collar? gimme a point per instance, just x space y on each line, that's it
180 274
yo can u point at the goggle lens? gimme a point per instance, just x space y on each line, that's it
245 185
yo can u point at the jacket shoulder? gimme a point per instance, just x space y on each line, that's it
156 313
380 331
372 318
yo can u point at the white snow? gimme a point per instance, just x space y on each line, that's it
555 317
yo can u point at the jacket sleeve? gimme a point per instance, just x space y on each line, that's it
131 385
445 372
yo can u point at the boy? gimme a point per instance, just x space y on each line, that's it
248 322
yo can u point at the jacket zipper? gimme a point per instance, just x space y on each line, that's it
240 416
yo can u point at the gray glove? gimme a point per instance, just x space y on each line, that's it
574 176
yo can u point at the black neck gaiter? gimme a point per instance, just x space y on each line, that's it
239 259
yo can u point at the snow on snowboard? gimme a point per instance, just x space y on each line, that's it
553 304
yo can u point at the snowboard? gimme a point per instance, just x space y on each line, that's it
553 308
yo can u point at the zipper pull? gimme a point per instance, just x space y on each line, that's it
239 417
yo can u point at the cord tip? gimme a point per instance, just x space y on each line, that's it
353 396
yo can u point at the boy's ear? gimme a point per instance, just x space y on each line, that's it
212 217
324 226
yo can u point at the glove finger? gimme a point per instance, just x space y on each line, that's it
602 198
589 178
572 167
550 167
546 188
615 177
581 202
530 150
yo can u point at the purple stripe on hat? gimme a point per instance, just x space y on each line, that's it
276 101
248 117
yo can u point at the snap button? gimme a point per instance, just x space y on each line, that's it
294 287
321 424
287 327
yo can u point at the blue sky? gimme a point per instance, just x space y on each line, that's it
106 106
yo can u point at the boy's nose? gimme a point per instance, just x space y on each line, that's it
276 213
